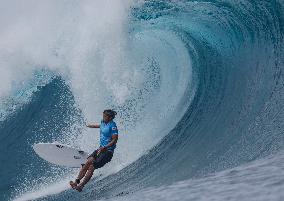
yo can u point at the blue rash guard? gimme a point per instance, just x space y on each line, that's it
106 132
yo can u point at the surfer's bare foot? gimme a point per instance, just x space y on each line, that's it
79 188
73 184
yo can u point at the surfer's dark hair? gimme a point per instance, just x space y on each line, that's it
110 113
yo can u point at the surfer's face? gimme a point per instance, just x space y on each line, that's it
106 118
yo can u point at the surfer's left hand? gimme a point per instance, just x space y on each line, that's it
102 149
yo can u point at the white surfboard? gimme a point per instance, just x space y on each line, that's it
61 154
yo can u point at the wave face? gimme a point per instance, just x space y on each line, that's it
198 86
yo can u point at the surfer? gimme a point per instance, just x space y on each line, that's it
102 155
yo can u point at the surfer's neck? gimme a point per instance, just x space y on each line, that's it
106 122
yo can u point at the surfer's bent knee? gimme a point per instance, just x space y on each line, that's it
90 159
89 162
91 167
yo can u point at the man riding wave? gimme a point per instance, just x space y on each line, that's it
102 155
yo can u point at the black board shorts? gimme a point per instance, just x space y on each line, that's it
103 158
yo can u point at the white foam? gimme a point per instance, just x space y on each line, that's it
45 190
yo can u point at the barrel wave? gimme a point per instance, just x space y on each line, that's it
198 87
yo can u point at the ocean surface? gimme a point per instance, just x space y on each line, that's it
198 87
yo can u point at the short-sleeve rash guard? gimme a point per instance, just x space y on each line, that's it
106 132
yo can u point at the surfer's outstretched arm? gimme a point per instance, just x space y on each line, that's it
93 125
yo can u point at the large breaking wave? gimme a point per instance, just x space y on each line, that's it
198 86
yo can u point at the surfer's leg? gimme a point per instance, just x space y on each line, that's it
84 169
87 177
